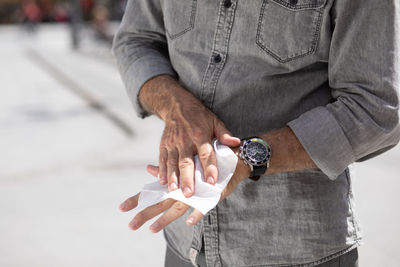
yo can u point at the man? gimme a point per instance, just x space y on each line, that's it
315 79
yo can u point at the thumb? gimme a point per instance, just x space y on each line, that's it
224 136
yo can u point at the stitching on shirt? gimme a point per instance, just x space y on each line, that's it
197 236
191 24
216 235
219 67
206 77
314 43
211 63
208 241
350 191
226 50
312 4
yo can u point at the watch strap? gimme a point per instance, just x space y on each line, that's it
247 138
257 172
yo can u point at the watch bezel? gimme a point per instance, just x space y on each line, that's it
251 161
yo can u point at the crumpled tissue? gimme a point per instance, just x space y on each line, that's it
206 196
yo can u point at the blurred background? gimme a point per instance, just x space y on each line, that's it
72 149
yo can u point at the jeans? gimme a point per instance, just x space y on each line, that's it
350 259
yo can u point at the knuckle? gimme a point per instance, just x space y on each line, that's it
163 149
168 145
182 143
172 162
185 163
171 141
163 171
198 134
162 159
179 207
159 205
167 140
140 217
205 155
172 180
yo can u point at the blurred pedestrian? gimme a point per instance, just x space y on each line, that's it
32 14
100 22
47 9
87 8
61 13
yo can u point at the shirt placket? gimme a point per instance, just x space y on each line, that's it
196 243
218 57
219 51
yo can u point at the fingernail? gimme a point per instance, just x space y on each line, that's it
173 186
190 220
187 191
155 227
210 180
133 225
163 181
122 206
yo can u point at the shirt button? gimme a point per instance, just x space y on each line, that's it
217 58
227 3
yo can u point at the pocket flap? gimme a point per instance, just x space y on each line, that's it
301 4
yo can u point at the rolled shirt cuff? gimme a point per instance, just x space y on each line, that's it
139 72
324 140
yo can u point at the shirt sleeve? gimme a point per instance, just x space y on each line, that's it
363 119
140 48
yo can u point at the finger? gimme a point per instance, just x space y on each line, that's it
153 170
208 162
186 171
149 213
194 217
172 170
223 135
177 210
162 162
130 203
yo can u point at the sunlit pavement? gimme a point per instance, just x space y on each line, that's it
72 150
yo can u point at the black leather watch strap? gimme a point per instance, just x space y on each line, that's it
257 172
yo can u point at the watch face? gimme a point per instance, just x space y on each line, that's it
256 151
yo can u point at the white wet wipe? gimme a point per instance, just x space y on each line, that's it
205 196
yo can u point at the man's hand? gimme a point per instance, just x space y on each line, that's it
173 209
287 155
189 130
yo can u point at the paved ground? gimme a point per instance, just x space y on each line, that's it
72 150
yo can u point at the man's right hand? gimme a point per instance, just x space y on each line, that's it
189 130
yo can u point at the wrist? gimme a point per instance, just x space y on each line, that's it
242 169
288 152
158 95
165 97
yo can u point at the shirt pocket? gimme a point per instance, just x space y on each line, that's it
289 29
179 17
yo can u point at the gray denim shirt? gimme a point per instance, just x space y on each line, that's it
329 69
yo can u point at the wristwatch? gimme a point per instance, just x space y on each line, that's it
256 153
